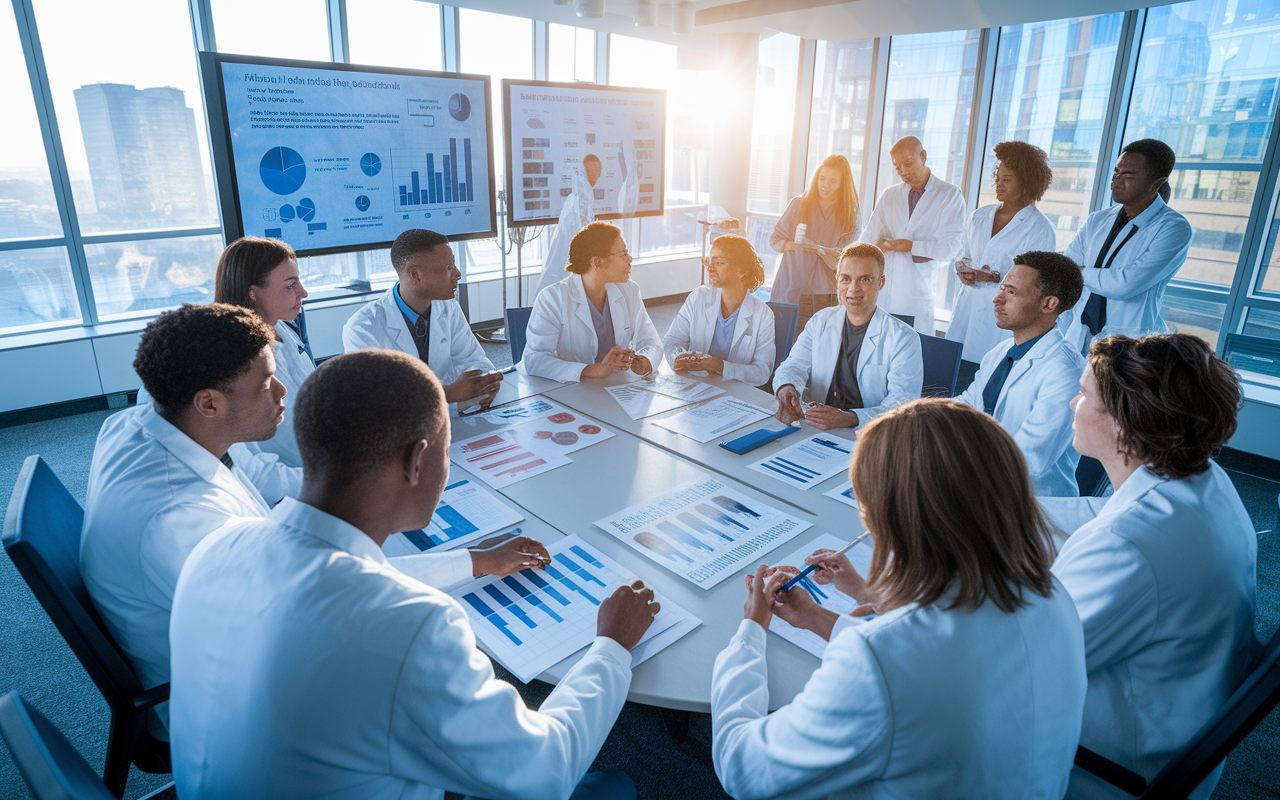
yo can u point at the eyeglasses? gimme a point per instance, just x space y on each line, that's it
716 262
622 252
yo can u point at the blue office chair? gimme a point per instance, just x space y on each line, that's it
785 317
941 365
517 325
42 537
907 318
49 764
1251 703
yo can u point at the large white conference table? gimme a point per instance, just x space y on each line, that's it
641 462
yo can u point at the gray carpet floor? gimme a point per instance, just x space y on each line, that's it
35 660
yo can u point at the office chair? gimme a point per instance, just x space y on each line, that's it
42 537
907 318
785 317
517 325
941 365
1249 705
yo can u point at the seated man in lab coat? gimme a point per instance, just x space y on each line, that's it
1164 576
1027 382
304 663
919 224
854 359
419 316
1130 251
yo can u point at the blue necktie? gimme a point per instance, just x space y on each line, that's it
991 393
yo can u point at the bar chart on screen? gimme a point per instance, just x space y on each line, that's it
424 179
535 619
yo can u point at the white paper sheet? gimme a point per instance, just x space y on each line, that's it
639 403
838 602
500 459
844 494
686 389
535 619
714 418
467 512
703 531
808 463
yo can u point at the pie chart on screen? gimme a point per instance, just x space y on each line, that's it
306 209
362 202
370 164
282 170
286 213
459 107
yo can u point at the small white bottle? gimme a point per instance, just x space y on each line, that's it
801 231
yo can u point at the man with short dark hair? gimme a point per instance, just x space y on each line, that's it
1027 382
305 664
1130 251
419 316
854 360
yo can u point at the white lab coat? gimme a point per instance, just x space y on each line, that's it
304 664
1034 406
974 321
454 348
752 353
936 230
153 494
1134 284
561 340
1163 579
293 367
890 367
918 702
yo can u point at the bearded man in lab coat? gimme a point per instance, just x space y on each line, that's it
420 316
919 224
855 360
1027 382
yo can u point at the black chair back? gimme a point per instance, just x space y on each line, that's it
907 318
941 365
785 317
517 325
49 764
42 537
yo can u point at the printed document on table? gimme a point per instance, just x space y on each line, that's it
467 512
535 619
703 531
686 389
810 462
639 403
500 459
827 596
715 418
844 494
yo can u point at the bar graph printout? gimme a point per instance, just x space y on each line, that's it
535 619
467 512
808 463
827 596
703 531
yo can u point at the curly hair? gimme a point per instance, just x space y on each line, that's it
245 263
1056 276
864 250
361 410
1174 401
414 241
742 258
193 348
595 240
1030 166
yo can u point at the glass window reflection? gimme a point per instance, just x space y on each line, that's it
394 33
36 289
841 97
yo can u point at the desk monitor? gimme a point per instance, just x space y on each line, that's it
332 158
606 141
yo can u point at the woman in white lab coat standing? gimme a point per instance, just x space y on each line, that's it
828 210
593 323
722 329
969 681
995 234
1164 576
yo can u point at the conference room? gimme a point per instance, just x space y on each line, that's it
674 266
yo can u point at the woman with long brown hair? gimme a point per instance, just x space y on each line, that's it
828 210
965 674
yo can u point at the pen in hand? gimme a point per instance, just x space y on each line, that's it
809 570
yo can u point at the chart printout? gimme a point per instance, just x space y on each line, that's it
810 462
535 619
611 136
715 418
703 531
467 511
827 596
330 158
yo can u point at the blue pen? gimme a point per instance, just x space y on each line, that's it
807 571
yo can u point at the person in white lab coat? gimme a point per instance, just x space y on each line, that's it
919 225
593 322
854 360
1130 251
829 210
995 234
1164 576
1027 382
420 316
723 329
969 681
305 664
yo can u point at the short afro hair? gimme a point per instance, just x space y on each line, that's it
595 240
1030 166
863 250
414 241
1056 276
1158 156
193 348
1174 401
361 410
